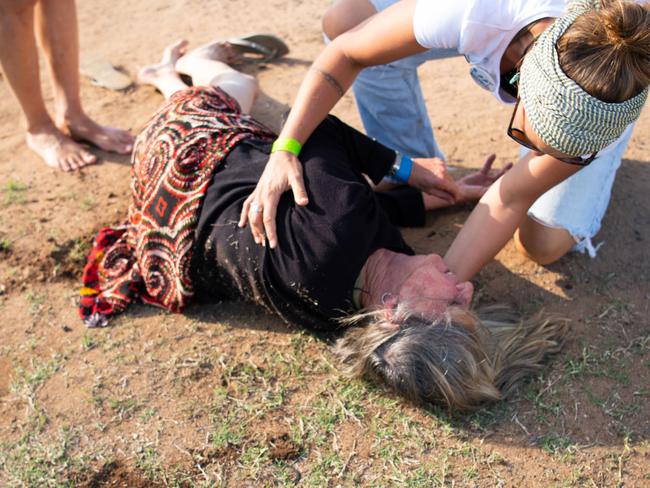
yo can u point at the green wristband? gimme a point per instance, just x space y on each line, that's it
286 144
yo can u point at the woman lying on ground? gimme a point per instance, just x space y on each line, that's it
342 260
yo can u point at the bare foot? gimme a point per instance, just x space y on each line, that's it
58 150
82 128
215 51
172 53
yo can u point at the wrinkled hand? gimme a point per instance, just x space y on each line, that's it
430 176
282 172
473 186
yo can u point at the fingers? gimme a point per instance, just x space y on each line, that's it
256 221
298 190
283 171
261 217
449 186
443 195
473 193
270 211
243 217
504 170
487 165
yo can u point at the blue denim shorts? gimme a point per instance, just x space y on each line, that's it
579 203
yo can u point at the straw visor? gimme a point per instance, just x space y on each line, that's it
561 113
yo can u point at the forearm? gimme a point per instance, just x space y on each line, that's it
501 211
385 37
323 86
486 231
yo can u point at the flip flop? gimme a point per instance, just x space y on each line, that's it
259 47
101 72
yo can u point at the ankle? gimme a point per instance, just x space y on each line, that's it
67 116
44 126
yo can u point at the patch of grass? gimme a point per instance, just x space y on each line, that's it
253 459
14 192
87 204
585 364
559 446
27 381
422 477
284 475
124 408
350 396
488 416
5 244
324 469
88 341
79 250
35 302
148 461
34 462
228 433
95 397
148 414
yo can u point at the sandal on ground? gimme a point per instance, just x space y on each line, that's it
101 72
259 47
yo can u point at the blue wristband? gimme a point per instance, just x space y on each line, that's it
403 173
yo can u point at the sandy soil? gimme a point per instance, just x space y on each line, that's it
228 395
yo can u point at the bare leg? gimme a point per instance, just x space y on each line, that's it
56 27
207 65
163 75
542 244
19 59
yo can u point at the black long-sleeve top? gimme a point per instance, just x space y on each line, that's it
309 278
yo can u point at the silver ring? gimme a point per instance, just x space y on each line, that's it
256 208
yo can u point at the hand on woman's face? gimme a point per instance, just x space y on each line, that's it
431 288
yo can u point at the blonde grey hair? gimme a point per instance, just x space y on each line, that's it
460 360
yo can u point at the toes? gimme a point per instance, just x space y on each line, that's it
75 162
86 157
125 140
64 165
181 46
174 51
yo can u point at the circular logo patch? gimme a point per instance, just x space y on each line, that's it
483 78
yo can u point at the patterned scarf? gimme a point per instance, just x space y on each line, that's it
564 115
148 257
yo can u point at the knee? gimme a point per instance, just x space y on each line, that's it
250 84
343 15
331 22
543 245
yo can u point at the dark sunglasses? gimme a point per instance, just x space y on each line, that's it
509 81
520 137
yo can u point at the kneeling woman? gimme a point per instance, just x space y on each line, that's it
194 165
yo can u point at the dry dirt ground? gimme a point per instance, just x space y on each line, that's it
226 395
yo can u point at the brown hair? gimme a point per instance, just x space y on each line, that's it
459 360
607 51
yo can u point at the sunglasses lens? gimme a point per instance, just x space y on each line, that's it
509 83
521 138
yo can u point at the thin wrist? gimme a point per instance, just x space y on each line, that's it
400 171
287 144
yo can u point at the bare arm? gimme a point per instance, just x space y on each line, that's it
384 37
501 210
381 39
